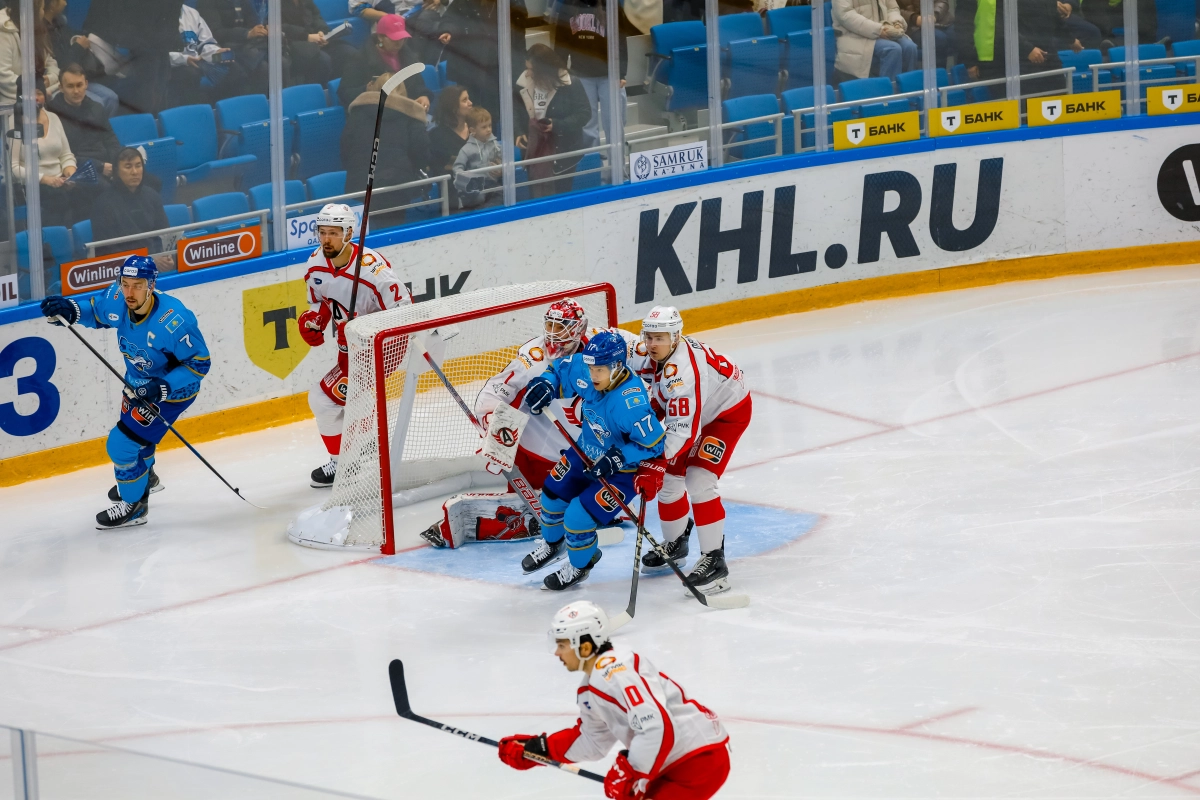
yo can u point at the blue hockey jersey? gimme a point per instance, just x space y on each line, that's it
619 416
166 344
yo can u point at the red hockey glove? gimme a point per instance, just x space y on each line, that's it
623 782
312 326
512 751
649 478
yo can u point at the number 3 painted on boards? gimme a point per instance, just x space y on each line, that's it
42 352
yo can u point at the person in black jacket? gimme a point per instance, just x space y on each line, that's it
580 33
149 30
403 148
556 109
472 58
428 26
314 59
241 30
389 50
128 206
1038 27
71 46
84 121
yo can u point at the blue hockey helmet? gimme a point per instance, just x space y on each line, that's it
606 349
140 267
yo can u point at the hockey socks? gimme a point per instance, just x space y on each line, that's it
333 446
710 524
673 517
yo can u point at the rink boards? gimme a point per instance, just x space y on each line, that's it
724 251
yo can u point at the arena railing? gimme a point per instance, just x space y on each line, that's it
1096 69
169 234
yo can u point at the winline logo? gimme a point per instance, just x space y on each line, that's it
93 273
218 248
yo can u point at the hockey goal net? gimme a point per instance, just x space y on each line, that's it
403 433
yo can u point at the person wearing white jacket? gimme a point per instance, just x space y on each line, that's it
10 59
56 164
197 71
871 34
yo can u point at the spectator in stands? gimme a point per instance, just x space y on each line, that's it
202 71
10 51
315 59
1109 17
580 34
371 11
981 46
403 147
430 29
88 131
472 58
387 50
71 46
1077 33
56 164
481 150
240 28
128 206
450 132
943 25
871 39
556 109
149 31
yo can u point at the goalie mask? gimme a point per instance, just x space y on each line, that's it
563 328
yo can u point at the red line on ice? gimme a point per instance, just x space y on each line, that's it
939 718
822 409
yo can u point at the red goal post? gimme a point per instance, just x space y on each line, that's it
404 438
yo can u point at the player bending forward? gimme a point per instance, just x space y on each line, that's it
165 360
707 408
677 748
619 434
330 280
495 516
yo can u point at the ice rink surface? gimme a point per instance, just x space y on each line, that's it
967 522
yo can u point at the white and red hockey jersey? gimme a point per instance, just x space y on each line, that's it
540 437
331 287
626 699
693 387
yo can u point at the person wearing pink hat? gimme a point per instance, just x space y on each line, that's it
388 50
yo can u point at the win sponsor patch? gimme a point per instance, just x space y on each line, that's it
712 449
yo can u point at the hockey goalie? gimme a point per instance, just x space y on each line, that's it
502 516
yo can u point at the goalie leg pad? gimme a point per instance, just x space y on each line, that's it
485 516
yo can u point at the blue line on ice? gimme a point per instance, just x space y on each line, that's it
749 531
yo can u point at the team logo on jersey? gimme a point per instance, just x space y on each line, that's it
138 358
536 353
596 423
506 436
640 348
269 330
368 259
560 469
670 371
604 662
606 500
317 281
712 449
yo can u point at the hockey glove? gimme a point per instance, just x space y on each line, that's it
623 782
649 478
60 307
608 464
512 750
538 394
312 326
154 391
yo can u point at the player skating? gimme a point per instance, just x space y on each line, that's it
330 280
497 516
676 749
619 433
165 360
707 408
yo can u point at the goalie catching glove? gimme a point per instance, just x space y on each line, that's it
312 325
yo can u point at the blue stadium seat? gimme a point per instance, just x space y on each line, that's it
305 97
740 108
664 40
81 234
1176 19
866 88
134 130
789 19
1082 61
804 97
195 128
255 138
798 58
320 141
327 184
915 82
56 249
433 80
293 192
1160 74
178 214
233 113
428 212
331 90
751 65
591 180
335 12
1188 48
442 76
520 175
732 27
225 204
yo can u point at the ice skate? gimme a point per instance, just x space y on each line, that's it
710 575
155 485
124 515
568 576
676 551
545 555
433 535
322 477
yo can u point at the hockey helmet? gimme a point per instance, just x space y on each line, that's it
606 349
565 322
663 319
576 620
337 215
140 267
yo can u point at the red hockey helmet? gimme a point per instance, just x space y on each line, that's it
563 328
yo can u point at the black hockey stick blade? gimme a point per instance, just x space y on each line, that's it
399 690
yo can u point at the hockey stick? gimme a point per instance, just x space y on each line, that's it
722 601
524 487
400 697
170 427
626 616
389 87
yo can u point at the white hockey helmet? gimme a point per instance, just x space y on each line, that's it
579 619
337 215
663 319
